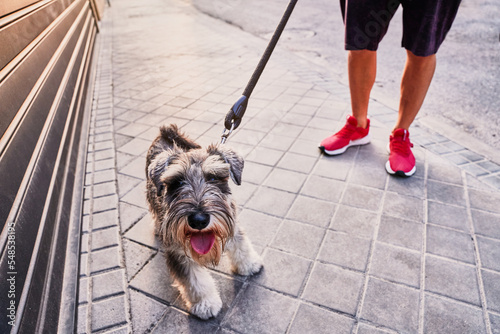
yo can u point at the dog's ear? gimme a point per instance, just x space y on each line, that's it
155 170
234 160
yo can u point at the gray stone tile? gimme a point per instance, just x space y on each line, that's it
84 270
247 136
451 279
445 193
491 281
108 313
274 311
362 197
259 227
489 252
255 173
136 256
105 259
322 188
368 176
285 180
336 167
483 200
391 305
312 211
137 196
346 291
122 159
297 162
444 172
144 233
108 284
300 239
277 142
367 329
243 193
396 264
129 215
104 189
136 146
283 272
174 321
495 323
133 129
83 288
135 168
404 207
104 203
452 244
486 224
266 156
311 319
104 155
354 221
154 280
105 238
105 219
445 316
104 164
271 201
305 148
345 250
400 232
448 215
82 320
288 130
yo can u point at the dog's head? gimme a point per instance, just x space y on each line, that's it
192 198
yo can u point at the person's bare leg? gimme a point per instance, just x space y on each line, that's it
362 69
417 77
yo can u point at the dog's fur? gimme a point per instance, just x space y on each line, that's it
187 188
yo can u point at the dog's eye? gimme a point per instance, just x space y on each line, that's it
212 178
176 184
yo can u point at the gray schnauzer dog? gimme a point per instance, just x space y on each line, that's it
195 215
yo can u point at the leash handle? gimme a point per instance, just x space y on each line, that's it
235 114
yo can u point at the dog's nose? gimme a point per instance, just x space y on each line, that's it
199 220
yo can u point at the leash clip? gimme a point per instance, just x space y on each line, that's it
226 133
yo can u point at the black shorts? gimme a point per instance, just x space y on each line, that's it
425 23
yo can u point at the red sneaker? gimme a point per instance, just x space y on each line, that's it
401 160
349 135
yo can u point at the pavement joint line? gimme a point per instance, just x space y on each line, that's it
477 258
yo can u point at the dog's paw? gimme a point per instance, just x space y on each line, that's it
250 266
207 308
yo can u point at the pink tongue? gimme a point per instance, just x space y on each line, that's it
202 242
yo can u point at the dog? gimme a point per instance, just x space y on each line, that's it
195 215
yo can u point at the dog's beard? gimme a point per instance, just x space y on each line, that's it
212 257
179 233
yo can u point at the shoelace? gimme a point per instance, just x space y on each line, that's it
400 146
346 132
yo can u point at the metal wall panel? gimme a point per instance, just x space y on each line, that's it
45 56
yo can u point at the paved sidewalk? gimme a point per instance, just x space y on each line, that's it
347 248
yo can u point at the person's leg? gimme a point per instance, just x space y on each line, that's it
362 69
417 77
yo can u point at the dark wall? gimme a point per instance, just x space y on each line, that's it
45 53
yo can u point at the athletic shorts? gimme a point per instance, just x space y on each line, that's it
425 23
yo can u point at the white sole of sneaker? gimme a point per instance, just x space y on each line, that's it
399 172
358 142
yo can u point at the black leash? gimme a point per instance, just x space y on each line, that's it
235 114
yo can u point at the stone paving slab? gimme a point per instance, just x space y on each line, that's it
346 247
